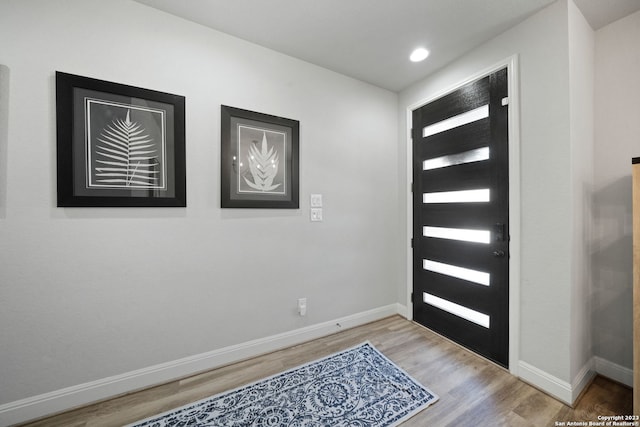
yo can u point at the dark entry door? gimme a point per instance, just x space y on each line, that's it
461 217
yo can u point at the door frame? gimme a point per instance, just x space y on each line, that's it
513 82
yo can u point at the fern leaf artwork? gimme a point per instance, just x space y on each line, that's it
263 164
126 156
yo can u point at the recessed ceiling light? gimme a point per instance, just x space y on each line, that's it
419 54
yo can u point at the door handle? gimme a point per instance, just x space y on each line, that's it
498 254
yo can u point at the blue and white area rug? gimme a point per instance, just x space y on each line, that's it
358 387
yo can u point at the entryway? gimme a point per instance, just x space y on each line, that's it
461 216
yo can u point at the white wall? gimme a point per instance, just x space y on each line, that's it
4 129
581 81
86 294
546 232
617 141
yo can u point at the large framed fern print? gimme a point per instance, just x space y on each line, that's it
118 145
259 156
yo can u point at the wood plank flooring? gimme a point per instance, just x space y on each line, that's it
473 391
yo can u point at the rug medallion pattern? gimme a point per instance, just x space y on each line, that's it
358 387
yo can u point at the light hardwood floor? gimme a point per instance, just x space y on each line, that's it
473 392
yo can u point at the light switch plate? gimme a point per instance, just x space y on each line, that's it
316 214
316 200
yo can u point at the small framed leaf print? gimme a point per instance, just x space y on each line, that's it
259 155
118 145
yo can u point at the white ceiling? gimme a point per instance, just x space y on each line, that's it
370 40
602 12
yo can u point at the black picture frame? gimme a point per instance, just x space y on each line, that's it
259 160
118 145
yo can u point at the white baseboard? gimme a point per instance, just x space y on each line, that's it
83 394
614 371
561 390
546 382
582 380
403 311
568 393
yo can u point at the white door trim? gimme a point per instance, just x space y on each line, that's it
511 63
